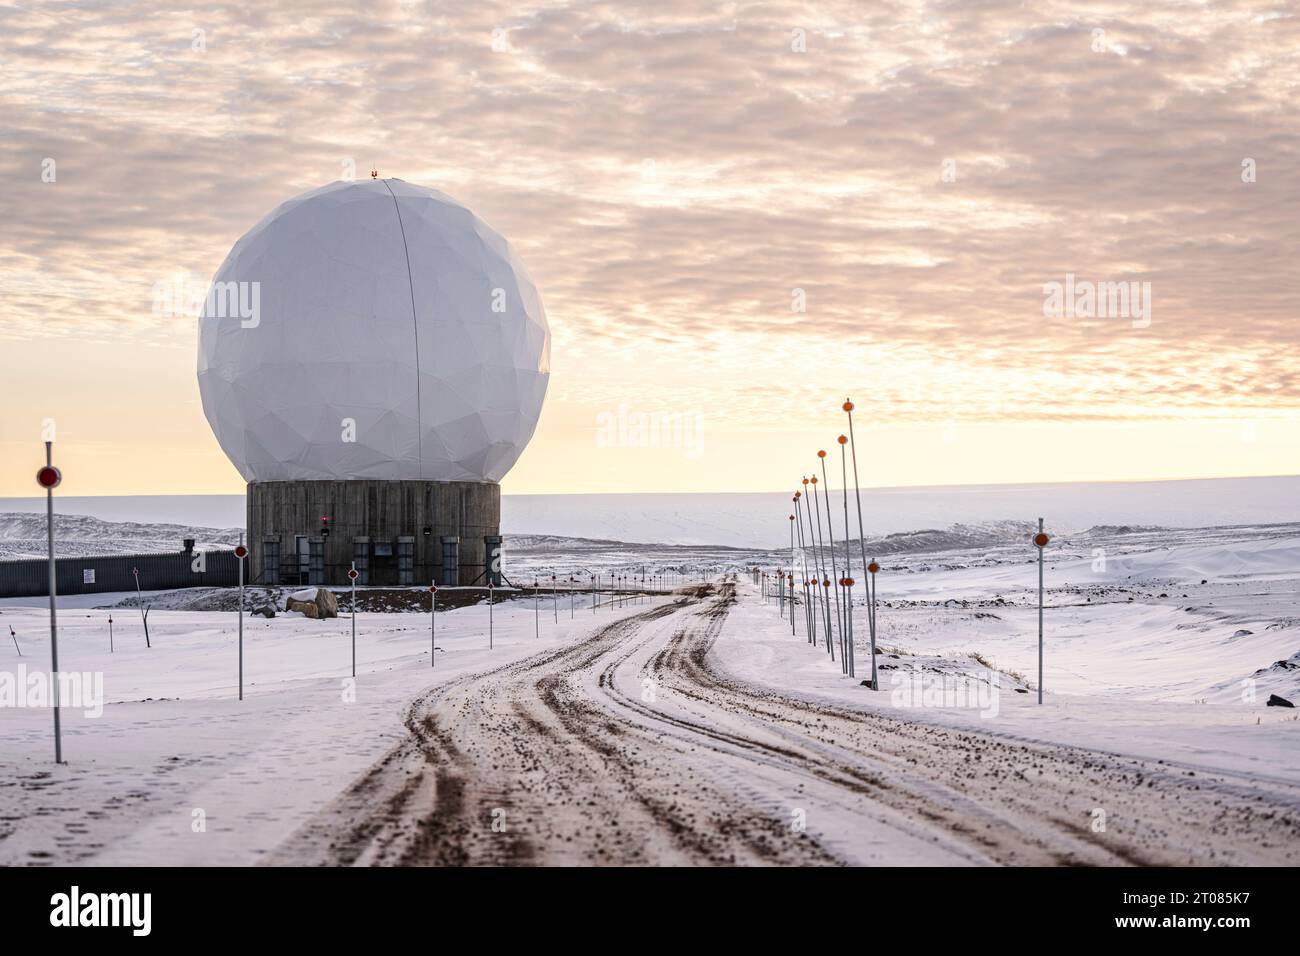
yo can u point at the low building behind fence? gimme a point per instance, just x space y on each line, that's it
94 574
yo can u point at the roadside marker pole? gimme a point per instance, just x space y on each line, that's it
555 599
433 621
798 527
812 543
491 594
790 576
826 588
835 571
826 581
240 553
803 553
537 611
20 650
352 576
110 633
850 652
873 567
1040 540
848 598
49 478
571 583
595 593
862 542
818 547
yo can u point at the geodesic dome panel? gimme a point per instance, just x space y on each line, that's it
394 335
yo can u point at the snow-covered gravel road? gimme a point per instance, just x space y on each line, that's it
635 747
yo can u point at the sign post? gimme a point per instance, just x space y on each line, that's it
433 621
491 591
537 611
873 567
1040 541
241 552
110 634
20 650
352 576
49 478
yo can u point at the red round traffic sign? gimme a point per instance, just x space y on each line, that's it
49 477
352 574
433 589
241 552
873 567
1041 539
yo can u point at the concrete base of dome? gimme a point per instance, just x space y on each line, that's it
397 532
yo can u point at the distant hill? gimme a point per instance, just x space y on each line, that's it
24 536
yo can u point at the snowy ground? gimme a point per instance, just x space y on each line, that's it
174 739
697 728
1091 699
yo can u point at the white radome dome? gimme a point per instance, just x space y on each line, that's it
381 303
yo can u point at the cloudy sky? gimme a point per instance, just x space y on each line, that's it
738 217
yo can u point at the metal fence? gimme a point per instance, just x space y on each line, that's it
91 575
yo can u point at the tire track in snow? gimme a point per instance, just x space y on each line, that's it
559 759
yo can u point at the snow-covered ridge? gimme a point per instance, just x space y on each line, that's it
986 534
23 536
